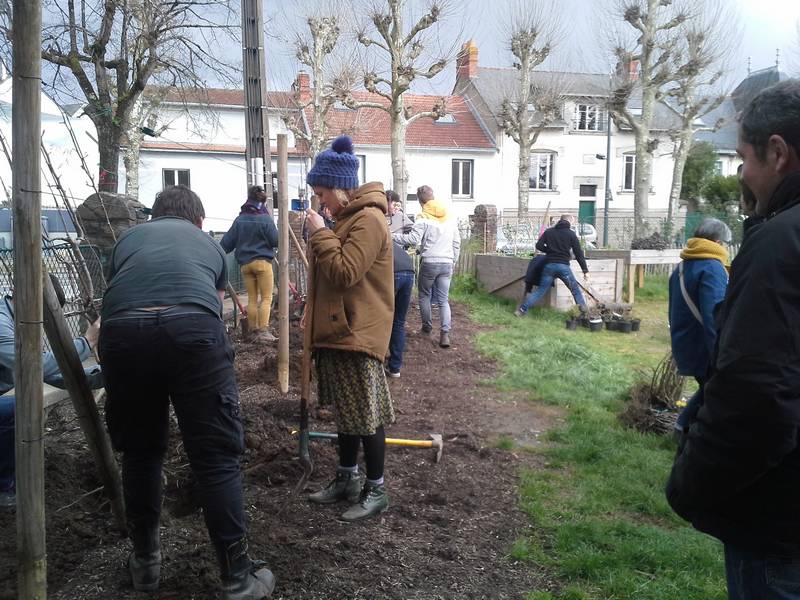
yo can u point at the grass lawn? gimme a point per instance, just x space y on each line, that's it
601 520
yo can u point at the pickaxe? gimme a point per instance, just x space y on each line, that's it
435 442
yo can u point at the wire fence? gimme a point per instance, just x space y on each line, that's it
78 269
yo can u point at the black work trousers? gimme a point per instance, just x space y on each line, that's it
186 358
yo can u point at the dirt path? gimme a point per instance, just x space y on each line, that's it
446 534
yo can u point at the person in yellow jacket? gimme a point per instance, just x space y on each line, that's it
351 324
436 234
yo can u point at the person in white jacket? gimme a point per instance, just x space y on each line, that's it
436 234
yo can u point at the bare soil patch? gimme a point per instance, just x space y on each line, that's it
446 534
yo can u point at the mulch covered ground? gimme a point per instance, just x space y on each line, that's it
447 532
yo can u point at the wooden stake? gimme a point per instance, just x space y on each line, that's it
27 210
283 268
69 363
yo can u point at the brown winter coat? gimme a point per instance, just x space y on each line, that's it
354 279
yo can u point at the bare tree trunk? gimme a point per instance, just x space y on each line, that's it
108 139
641 197
524 179
680 155
132 152
399 173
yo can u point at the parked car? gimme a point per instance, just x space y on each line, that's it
519 244
587 234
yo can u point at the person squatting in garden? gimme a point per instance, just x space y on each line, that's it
557 242
254 237
436 235
351 324
162 340
51 375
696 287
735 475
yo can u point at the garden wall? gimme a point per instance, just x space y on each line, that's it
504 276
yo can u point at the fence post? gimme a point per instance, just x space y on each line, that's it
283 268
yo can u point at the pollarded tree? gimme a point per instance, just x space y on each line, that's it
402 49
108 51
696 90
532 105
645 65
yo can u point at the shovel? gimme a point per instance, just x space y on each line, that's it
243 320
305 377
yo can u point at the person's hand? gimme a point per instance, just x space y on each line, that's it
93 334
314 221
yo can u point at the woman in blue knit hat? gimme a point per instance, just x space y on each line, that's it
353 308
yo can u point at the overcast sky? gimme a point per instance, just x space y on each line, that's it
766 25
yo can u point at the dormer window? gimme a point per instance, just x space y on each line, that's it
589 117
448 118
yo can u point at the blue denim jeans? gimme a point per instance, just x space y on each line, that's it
551 272
761 577
434 280
403 284
6 443
689 413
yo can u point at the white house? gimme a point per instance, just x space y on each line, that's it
568 163
64 153
203 146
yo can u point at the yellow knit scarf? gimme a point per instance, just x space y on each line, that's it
434 210
699 248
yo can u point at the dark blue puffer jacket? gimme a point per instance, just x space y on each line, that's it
253 237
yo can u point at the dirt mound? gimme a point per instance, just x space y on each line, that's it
446 534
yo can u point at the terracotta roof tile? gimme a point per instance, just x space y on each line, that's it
371 126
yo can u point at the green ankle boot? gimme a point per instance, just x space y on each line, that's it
374 500
345 486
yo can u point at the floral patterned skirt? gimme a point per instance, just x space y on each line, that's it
355 385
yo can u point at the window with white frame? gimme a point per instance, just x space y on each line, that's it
718 167
175 177
590 117
462 178
629 173
542 172
362 168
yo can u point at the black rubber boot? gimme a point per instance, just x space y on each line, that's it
243 578
144 563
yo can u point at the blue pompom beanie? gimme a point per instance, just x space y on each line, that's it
337 167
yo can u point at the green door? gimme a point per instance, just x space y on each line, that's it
586 211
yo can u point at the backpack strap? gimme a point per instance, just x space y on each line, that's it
689 302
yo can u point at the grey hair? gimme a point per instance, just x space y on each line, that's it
178 201
774 111
714 230
424 193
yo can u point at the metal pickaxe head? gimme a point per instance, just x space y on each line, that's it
438 443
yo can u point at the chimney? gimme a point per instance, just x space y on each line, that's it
467 61
302 86
634 66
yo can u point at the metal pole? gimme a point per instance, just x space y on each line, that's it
608 179
27 210
258 158
283 259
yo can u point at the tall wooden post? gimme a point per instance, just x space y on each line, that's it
69 363
25 181
283 258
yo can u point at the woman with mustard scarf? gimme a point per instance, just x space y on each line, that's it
696 286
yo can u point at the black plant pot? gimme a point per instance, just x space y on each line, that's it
595 325
625 326
572 324
612 325
635 323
